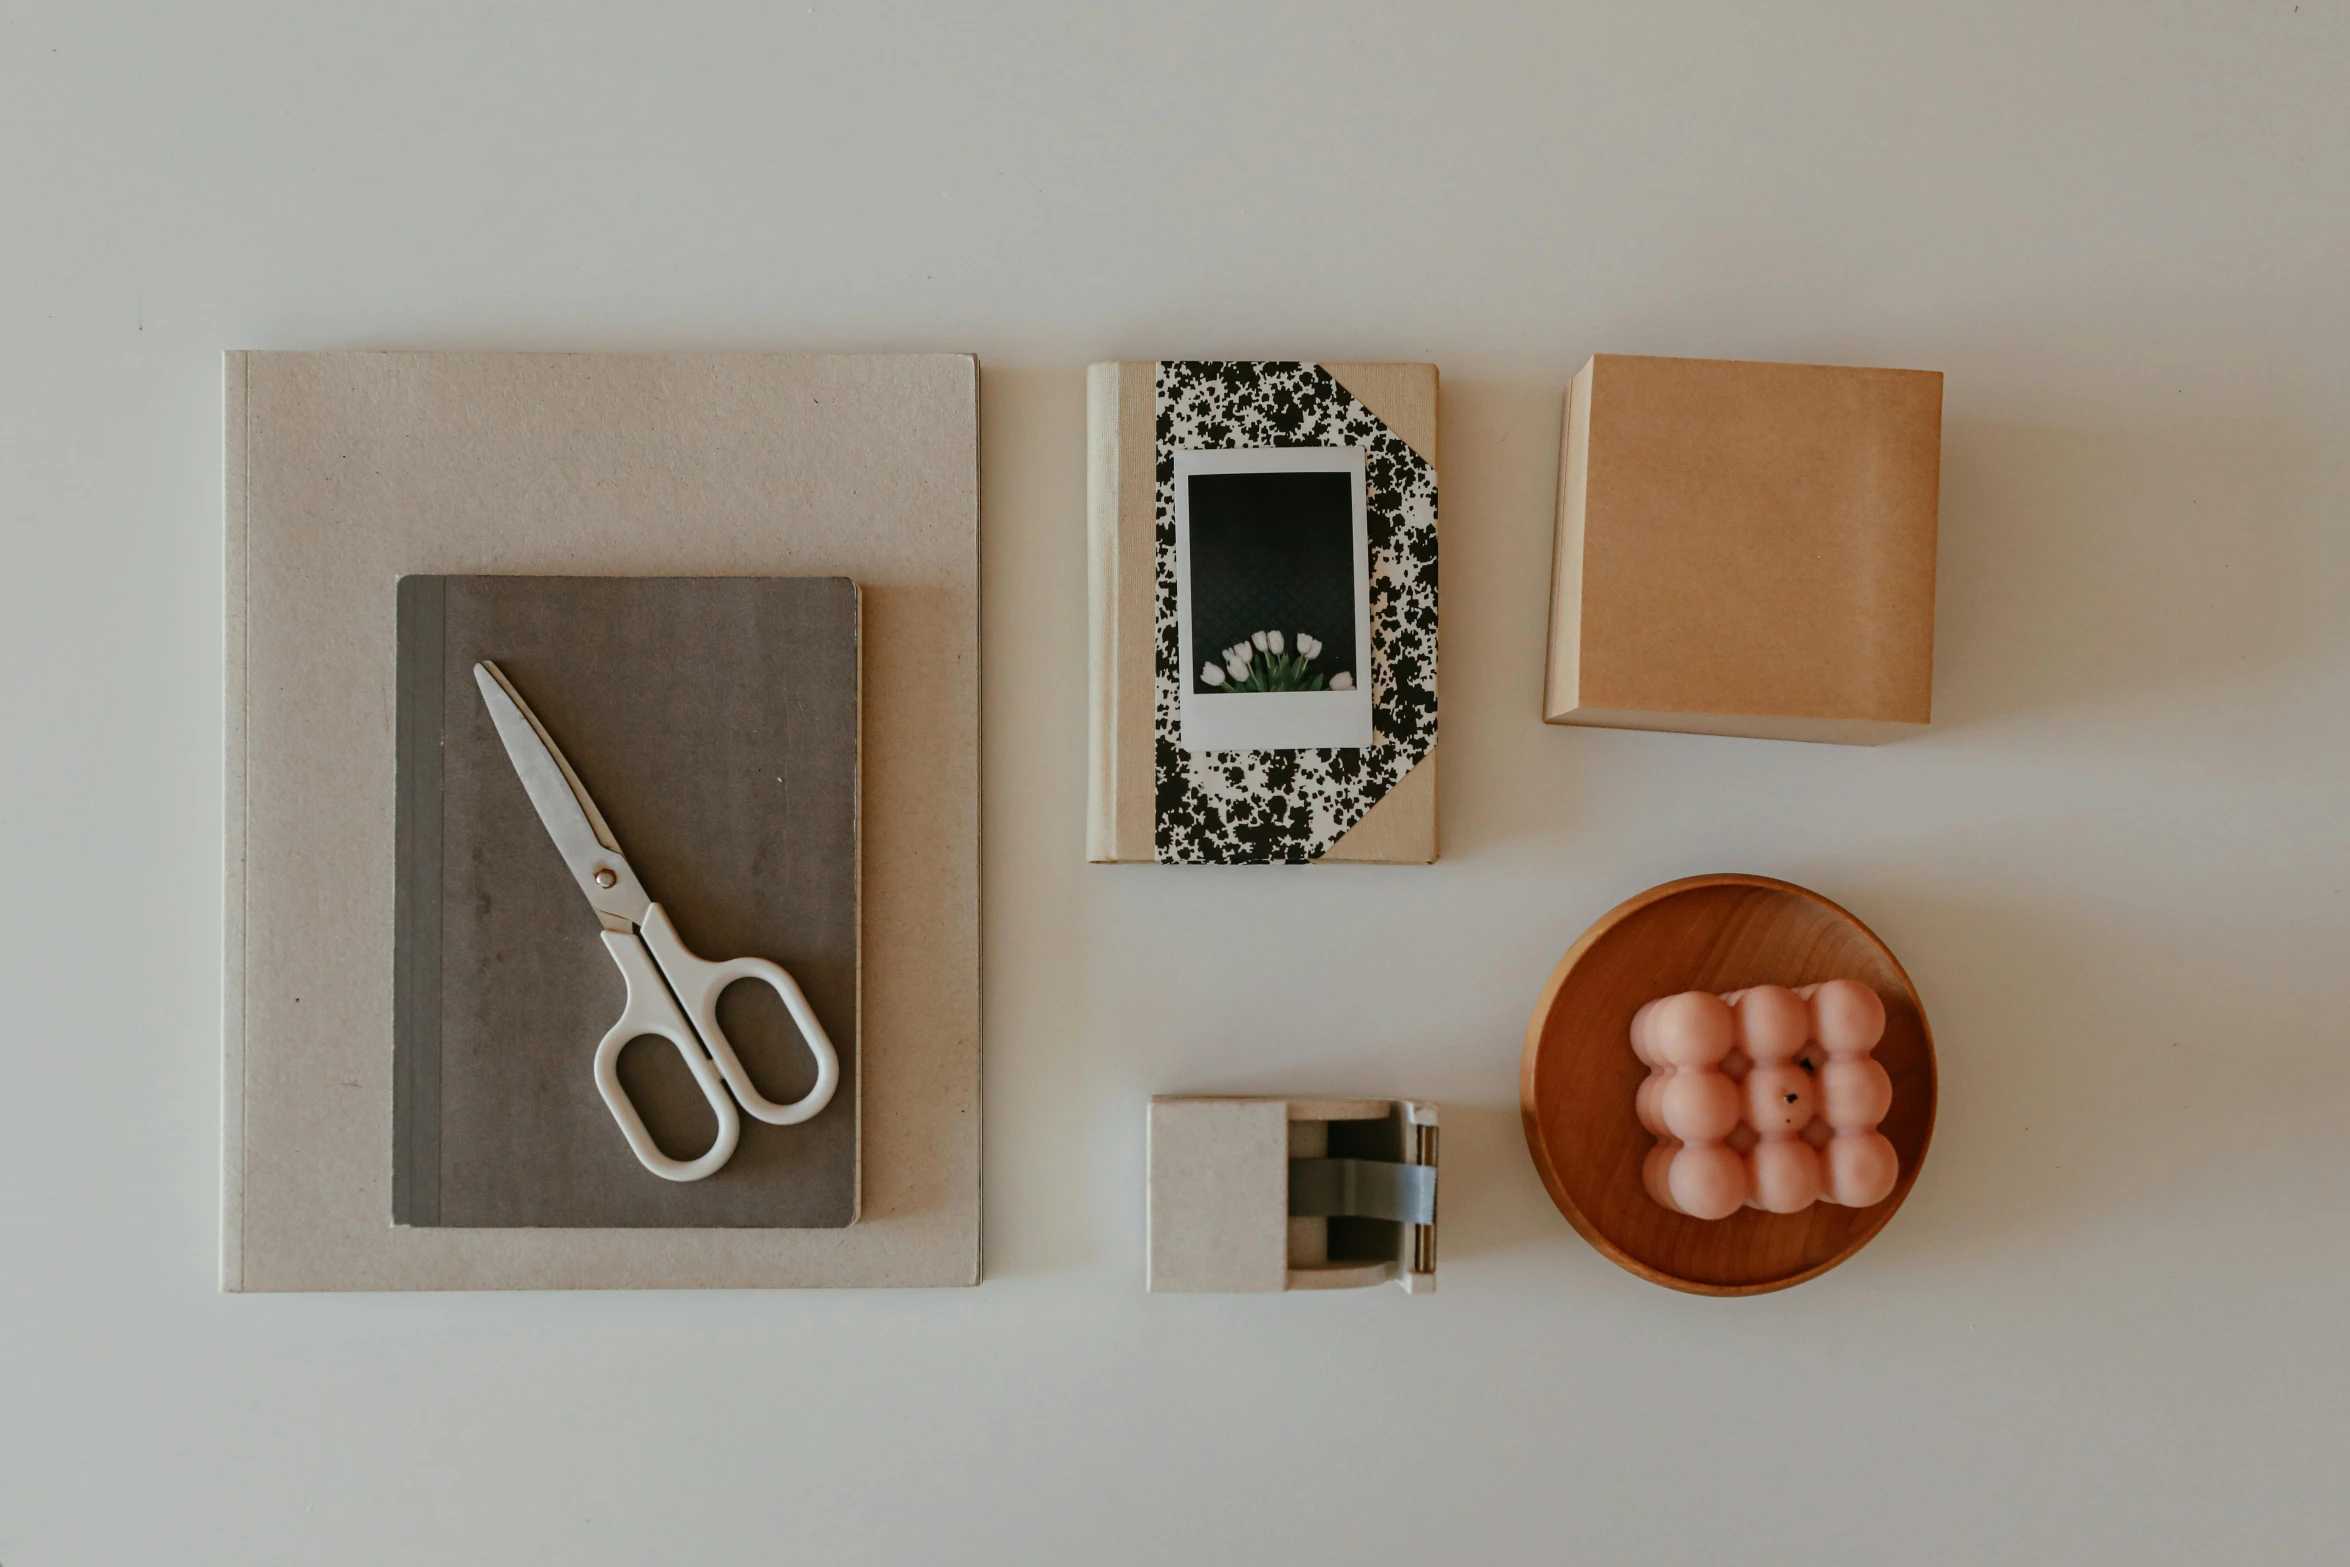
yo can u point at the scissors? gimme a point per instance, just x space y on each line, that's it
667 985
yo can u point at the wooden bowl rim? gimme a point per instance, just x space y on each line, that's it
1539 1148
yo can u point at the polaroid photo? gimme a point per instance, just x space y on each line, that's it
1273 599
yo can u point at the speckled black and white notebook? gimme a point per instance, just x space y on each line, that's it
1264 595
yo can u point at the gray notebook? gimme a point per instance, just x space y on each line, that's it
714 721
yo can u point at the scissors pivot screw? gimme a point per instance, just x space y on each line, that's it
605 878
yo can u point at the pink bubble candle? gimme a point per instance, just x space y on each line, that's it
1765 1098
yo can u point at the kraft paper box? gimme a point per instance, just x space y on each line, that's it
1746 549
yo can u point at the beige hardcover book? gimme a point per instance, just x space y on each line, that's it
348 471
1159 791
1746 549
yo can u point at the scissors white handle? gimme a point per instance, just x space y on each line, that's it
698 984
650 1010
707 1051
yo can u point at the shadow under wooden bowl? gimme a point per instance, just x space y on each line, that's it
1577 1083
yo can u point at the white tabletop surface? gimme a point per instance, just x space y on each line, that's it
2107 1327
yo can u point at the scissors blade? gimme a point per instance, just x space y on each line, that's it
565 808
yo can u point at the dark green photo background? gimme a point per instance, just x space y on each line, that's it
1272 552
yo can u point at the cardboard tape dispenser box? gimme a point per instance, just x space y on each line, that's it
1253 1195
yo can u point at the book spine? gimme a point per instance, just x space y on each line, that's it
1120 399
416 893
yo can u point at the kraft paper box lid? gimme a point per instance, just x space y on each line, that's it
1746 549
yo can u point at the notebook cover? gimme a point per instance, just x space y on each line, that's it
1746 549
1149 800
714 721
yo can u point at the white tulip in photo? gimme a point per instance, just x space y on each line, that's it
1211 674
1342 681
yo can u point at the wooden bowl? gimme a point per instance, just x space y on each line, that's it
1577 1084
